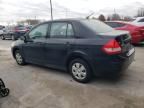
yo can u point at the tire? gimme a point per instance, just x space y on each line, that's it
4 92
19 59
2 85
2 37
13 37
80 71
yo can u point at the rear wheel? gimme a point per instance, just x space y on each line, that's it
2 37
13 37
80 71
19 59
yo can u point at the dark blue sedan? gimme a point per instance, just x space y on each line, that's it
80 46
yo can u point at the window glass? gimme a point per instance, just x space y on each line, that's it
39 32
70 31
97 26
142 20
112 24
115 24
58 30
120 25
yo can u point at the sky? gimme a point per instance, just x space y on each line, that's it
15 10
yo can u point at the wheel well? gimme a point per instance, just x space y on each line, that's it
76 57
14 51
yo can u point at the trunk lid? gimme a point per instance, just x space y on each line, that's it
123 38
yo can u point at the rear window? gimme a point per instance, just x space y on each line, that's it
112 24
20 28
97 26
115 24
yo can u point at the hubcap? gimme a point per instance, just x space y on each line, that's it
79 71
19 58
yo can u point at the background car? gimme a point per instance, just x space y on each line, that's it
136 31
7 33
15 32
83 47
1 30
139 20
29 27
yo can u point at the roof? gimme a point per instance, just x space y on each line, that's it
68 19
124 22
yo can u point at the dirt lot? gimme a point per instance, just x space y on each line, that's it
38 87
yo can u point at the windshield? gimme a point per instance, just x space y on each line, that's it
97 26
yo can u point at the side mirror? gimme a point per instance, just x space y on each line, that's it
23 38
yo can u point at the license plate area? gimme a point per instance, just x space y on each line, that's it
130 52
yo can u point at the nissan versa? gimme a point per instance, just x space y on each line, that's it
80 46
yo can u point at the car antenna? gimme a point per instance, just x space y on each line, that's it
89 15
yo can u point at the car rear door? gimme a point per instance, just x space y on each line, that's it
34 47
59 43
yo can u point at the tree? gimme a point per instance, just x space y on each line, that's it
29 21
108 18
115 16
127 18
32 22
102 17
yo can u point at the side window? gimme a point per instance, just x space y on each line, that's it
70 31
58 30
39 32
142 20
120 25
112 24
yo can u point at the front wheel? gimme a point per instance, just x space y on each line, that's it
19 59
80 71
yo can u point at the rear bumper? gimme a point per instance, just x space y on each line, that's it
111 68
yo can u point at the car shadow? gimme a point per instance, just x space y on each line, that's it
108 79
96 79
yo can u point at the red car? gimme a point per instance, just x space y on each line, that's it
136 31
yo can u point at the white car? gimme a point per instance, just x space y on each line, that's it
1 32
139 21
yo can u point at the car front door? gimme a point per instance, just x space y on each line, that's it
35 44
57 46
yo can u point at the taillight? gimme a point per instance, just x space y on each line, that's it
112 47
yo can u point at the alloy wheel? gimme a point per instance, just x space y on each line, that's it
19 58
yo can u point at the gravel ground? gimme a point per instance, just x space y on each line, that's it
39 87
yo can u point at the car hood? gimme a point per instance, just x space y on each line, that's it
17 43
